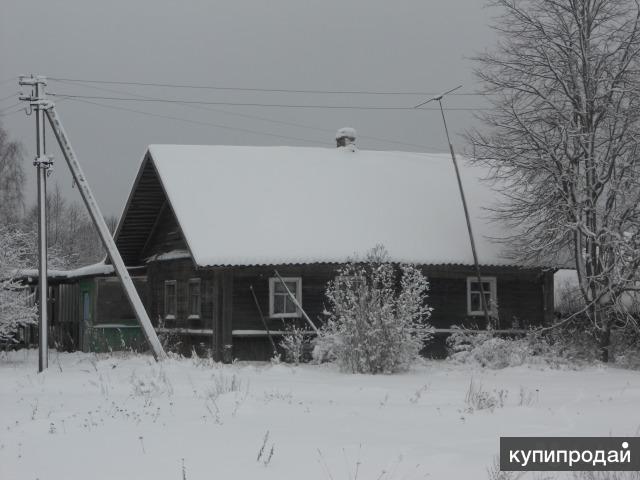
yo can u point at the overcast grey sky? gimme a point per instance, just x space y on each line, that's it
372 45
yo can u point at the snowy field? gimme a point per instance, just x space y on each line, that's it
110 417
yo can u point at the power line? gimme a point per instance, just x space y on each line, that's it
254 89
4 110
11 113
268 105
198 122
8 97
226 127
7 80
269 120
21 108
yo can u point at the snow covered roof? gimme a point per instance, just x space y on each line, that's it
241 205
96 269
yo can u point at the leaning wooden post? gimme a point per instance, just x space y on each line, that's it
264 322
297 304
105 235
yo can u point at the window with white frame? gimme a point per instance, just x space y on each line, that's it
280 303
170 300
474 299
194 298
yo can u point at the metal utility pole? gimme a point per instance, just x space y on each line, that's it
98 220
43 166
483 300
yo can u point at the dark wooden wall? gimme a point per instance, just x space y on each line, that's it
180 270
144 205
166 235
65 324
314 284
520 295
112 305
228 305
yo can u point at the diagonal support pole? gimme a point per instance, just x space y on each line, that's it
483 299
107 240
296 303
476 264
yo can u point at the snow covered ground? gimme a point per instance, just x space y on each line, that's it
125 417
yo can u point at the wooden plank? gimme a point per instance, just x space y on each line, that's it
227 315
513 331
216 308
548 299
263 333
187 331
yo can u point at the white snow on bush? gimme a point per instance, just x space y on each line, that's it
273 205
566 285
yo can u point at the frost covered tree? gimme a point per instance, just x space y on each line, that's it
12 179
378 319
72 238
562 139
17 309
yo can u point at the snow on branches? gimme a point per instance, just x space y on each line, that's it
17 308
378 322
563 140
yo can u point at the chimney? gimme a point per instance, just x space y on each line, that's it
346 137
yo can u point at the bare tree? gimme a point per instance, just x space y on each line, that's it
562 140
12 178
73 239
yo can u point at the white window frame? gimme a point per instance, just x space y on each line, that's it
298 294
493 295
167 315
193 281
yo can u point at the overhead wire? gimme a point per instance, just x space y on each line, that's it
267 119
7 80
4 110
257 89
253 104
8 97
198 122
202 104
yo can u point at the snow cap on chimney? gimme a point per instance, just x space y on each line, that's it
346 137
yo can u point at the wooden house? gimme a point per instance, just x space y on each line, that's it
87 309
208 227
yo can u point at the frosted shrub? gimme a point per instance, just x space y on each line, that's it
494 472
17 308
570 346
485 349
606 475
377 321
293 343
